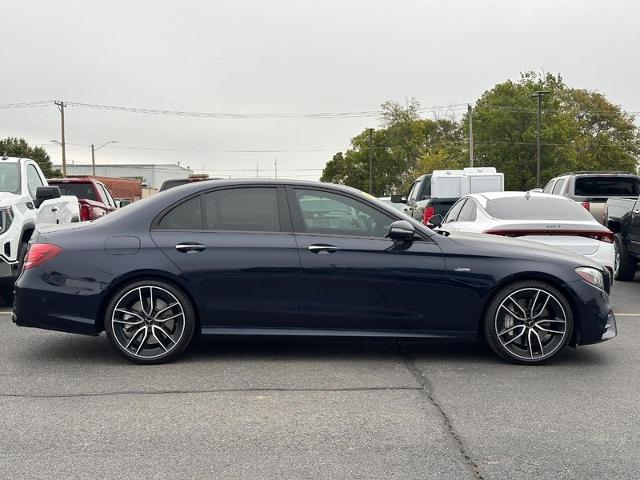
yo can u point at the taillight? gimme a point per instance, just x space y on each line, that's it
586 205
40 253
427 214
604 236
85 213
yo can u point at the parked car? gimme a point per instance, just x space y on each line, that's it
593 189
26 201
93 196
176 182
269 257
622 216
537 217
435 193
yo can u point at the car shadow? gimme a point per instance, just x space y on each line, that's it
97 350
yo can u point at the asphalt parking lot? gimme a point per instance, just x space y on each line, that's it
72 408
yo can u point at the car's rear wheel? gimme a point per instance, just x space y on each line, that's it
625 265
149 321
528 322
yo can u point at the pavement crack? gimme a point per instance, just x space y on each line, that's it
213 390
427 389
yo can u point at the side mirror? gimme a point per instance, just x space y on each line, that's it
614 225
46 193
435 220
401 230
398 199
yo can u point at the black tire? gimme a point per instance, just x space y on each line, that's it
154 341
22 253
546 318
626 265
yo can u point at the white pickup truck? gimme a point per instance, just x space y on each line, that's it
26 200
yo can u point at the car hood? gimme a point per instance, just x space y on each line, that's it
512 248
8 198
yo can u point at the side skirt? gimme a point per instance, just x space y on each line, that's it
319 332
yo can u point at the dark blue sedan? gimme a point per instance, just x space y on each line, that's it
301 258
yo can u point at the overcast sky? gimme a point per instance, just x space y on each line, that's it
290 56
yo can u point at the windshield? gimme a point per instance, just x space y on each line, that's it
536 208
9 177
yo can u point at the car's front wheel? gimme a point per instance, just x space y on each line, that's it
149 321
528 322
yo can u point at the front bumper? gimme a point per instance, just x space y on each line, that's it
594 320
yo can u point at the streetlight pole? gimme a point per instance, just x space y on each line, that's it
539 94
93 155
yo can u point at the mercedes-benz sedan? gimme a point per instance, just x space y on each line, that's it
266 257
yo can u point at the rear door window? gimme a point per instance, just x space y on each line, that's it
468 212
453 213
558 187
549 187
242 209
604 186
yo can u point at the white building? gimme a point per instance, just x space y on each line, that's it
152 174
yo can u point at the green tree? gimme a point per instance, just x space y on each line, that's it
581 130
18 147
400 150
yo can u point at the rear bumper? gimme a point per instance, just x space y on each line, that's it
51 311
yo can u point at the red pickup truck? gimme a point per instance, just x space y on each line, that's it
93 196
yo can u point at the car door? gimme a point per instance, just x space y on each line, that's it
353 277
47 212
236 250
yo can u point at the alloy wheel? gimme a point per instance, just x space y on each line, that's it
148 322
531 324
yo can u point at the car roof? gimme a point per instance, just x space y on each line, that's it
197 186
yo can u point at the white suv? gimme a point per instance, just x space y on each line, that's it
26 200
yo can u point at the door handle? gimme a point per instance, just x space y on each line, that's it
190 247
54 209
322 249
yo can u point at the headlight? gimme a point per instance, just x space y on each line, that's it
6 218
592 276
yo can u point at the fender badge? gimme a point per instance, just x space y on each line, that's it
462 269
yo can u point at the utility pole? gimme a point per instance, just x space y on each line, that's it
370 161
60 106
470 115
93 160
539 94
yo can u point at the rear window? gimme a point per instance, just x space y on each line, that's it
80 190
607 186
536 208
